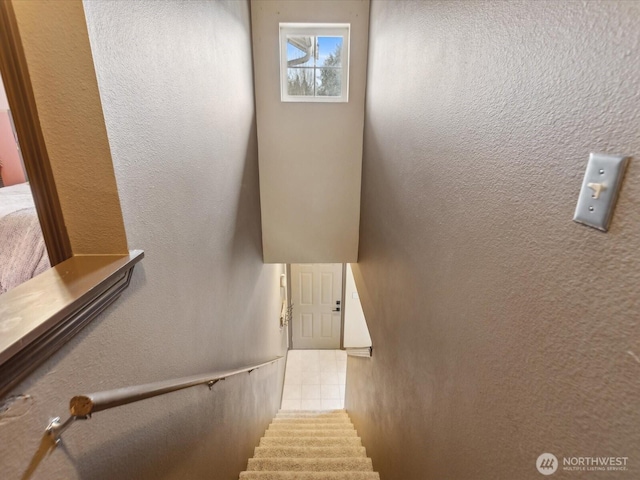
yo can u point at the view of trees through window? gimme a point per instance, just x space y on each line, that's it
314 66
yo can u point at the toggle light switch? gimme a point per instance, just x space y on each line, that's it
597 188
599 191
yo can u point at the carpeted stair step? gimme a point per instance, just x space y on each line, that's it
309 452
310 441
309 476
313 412
311 426
310 414
316 420
310 433
310 464
321 445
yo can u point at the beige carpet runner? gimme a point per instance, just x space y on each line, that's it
306 445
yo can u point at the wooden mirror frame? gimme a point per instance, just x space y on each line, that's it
15 74
39 316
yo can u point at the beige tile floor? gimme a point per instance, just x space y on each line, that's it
314 380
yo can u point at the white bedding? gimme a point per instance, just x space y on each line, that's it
14 198
23 254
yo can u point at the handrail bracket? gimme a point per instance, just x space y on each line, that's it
211 383
55 429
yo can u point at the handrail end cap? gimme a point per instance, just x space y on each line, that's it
81 406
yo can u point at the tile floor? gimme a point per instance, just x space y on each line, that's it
314 380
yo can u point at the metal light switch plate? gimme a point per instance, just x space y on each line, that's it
599 191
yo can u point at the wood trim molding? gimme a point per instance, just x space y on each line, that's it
15 75
38 317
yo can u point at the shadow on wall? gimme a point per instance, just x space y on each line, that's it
392 303
496 317
47 445
247 232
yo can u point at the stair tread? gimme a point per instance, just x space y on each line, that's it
318 420
310 433
309 452
310 464
311 426
322 418
313 412
309 476
310 441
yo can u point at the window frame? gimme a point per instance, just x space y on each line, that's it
315 29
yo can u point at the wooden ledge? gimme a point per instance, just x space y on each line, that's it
41 315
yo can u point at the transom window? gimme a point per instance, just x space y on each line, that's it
314 62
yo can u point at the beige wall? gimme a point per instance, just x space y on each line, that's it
501 328
182 135
56 46
310 154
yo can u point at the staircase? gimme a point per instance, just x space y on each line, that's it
310 445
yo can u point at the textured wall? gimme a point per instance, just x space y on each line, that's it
310 153
176 84
501 329
58 54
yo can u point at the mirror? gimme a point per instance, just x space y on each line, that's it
26 125
23 254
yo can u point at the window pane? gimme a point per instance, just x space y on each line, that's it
300 81
300 51
314 58
329 51
329 81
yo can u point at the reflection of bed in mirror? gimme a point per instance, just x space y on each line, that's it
23 254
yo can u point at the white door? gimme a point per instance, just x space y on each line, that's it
316 293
